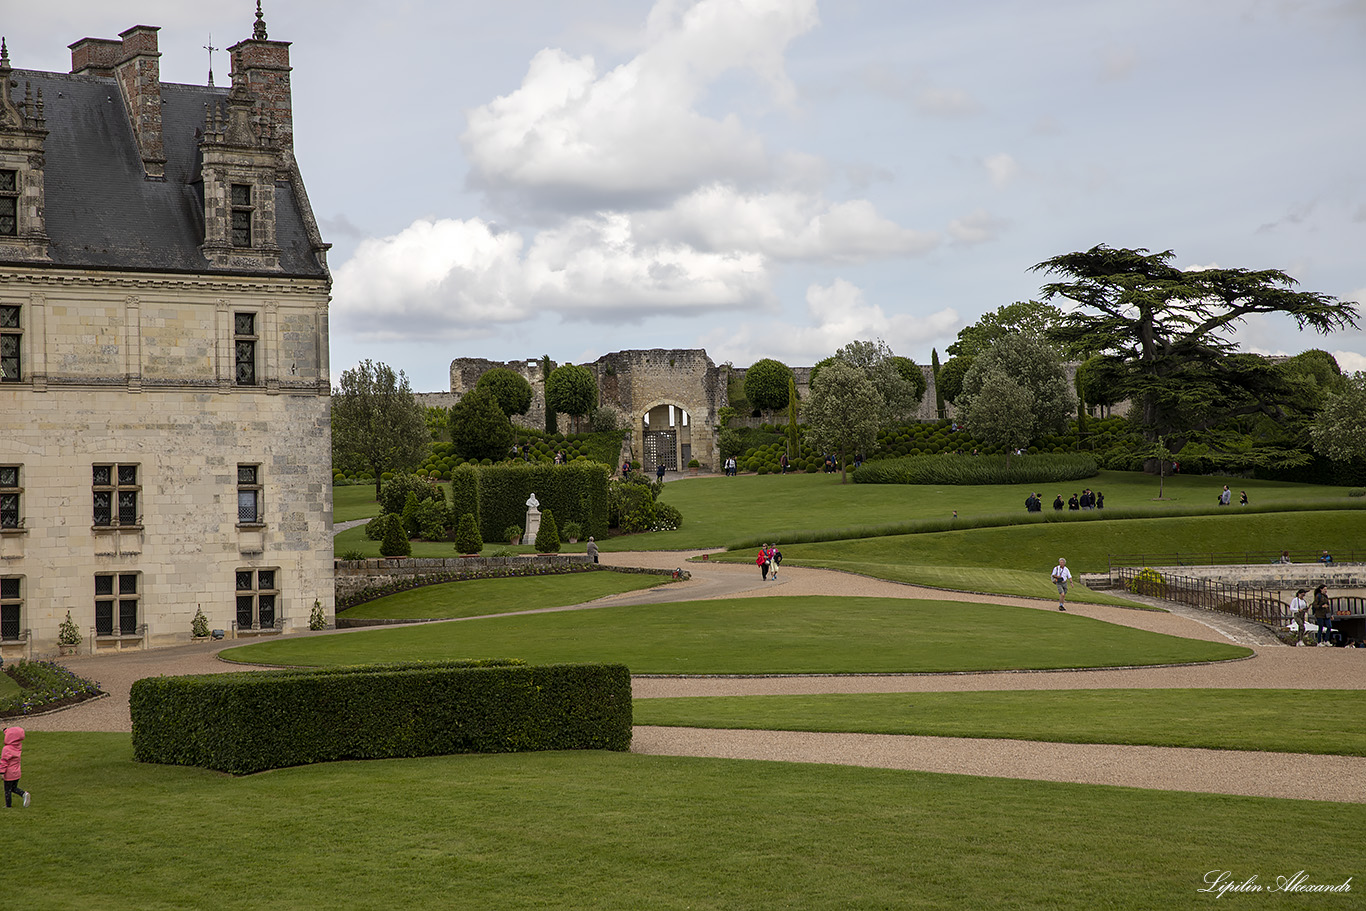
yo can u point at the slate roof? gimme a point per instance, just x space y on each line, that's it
102 212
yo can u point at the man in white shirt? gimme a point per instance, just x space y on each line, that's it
1062 576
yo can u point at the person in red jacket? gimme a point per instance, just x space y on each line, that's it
9 764
762 561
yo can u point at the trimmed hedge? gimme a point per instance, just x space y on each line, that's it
576 492
986 469
246 723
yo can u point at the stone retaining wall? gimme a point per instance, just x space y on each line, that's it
1341 578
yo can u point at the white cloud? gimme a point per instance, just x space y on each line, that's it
785 225
1350 361
596 268
461 279
587 139
1001 168
941 102
977 228
839 314
435 278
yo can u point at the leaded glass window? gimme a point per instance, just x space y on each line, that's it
248 494
11 606
241 215
115 491
9 203
9 344
9 496
256 598
244 344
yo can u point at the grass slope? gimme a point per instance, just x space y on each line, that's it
478 597
766 635
1286 721
621 832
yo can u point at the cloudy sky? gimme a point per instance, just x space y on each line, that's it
773 178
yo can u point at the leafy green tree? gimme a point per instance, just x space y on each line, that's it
951 378
1166 334
889 375
1098 383
509 388
467 537
571 390
393 493
793 442
842 413
479 429
1339 432
1000 412
438 422
547 536
815 371
766 384
376 422
1032 363
1030 317
938 387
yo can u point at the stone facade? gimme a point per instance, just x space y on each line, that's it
165 404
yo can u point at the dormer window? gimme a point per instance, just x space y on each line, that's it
241 215
9 203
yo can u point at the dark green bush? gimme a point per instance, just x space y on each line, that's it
547 536
395 543
985 469
245 723
393 494
467 537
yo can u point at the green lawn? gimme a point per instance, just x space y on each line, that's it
765 635
8 688
621 832
478 597
356 501
720 510
1286 721
1035 549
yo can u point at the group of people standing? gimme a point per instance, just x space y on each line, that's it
1085 500
1322 611
768 561
1226 497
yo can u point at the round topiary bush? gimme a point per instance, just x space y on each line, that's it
1148 582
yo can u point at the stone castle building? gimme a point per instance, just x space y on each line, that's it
164 385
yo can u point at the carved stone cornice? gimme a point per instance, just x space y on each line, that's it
123 282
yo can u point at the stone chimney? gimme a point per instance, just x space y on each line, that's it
95 56
138 72
264 66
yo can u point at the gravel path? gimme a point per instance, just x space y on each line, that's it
1216 771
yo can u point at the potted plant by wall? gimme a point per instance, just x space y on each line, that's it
693 465
513 533
68 636
199 626
317 618
572 531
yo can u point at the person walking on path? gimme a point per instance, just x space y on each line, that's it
592 548
1062 576
1323 616
761 561
1225 496
9 764
659 472
775 558
1298 608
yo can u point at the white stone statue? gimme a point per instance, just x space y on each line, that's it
532 503
533 518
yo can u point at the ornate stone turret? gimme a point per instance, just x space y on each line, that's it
138 73
23 128
264 64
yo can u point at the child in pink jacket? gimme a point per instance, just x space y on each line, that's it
9 764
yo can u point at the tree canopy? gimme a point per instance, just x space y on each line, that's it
1022 316
1000 412
479 429
766 384
842 414
376 422
509 388
1032 363
894 378
571 390
1166 334
1339 431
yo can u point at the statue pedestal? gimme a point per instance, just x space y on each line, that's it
533 525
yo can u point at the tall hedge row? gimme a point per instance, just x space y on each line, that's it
465 492
576 492
245 723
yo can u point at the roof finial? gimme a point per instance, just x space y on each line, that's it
4 51
210 48
259 31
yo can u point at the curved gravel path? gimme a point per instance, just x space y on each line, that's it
1217 771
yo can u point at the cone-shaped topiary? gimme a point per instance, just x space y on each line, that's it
395 543
467 538
199 625
548 536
